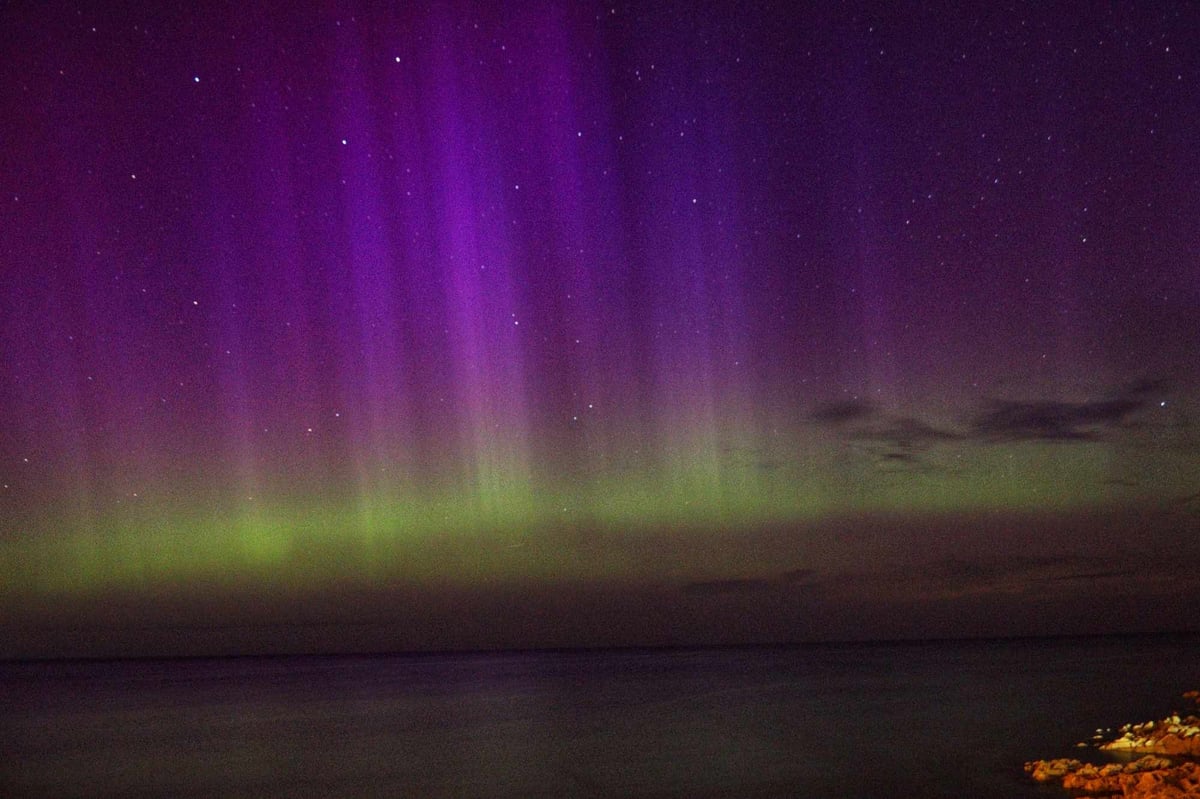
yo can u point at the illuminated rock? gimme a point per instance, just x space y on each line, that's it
1151 777
1167 770
1051 770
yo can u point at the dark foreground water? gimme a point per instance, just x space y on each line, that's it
891 720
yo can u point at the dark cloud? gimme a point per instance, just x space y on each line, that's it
995 568
1026 570
1053 421
1122 482
894 441
900 463
797 576
1005 572
1089 576
957 577
841 413
908 433
898 444
1058 576
793 578
730 586
863 421
899 438
1146 386
1191 502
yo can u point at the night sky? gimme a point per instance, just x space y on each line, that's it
470 326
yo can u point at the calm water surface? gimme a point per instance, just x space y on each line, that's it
879 720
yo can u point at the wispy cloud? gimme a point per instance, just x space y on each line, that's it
841 413
895 441
1053 421
1031 576
1021 570
898 439
794 576
729 586
791 579
903 436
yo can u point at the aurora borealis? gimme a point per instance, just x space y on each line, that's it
461 325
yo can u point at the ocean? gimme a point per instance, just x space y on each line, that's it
929 719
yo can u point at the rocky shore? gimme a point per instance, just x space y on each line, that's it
1167 770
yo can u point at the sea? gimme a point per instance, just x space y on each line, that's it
915 720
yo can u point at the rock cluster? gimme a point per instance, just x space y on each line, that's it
1171 736
1151 777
